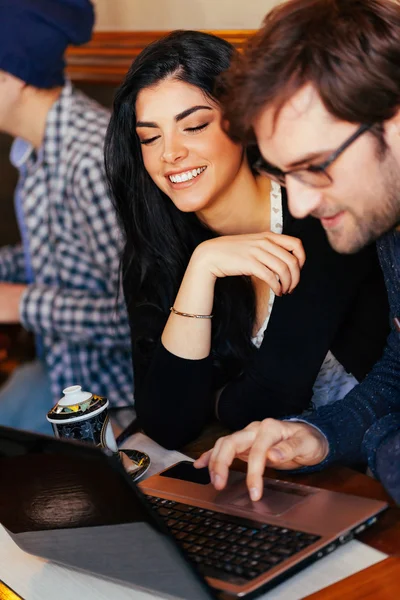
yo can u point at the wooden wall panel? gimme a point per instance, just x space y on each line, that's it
107 57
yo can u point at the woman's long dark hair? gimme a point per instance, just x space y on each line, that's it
160 239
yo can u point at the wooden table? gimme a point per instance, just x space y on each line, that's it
380 582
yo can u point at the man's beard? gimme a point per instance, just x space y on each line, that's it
382 216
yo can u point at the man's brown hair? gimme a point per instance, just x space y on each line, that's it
348 49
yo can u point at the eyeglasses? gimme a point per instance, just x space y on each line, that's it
314 175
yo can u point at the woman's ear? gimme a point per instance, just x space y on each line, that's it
225 125
226 128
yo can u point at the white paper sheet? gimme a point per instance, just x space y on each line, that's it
342 563
36 579
159 456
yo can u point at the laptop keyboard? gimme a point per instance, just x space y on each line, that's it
226 547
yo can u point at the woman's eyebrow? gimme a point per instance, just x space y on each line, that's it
178 117
190 111
146 124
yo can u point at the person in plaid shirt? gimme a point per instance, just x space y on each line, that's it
62 281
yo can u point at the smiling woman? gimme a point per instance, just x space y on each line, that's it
227 315
186 148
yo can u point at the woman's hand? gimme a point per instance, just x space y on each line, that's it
274 258
269 443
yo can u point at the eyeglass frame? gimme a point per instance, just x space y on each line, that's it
280 176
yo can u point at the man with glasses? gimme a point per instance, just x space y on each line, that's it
319 88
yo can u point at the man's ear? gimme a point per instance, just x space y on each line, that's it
392 135
391 131
7 78
392 126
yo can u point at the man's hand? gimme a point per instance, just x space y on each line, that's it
269 443
10 298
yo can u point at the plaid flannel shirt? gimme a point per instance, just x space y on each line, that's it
73 249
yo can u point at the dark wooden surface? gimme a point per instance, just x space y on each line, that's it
380 582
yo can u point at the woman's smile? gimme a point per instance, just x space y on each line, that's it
183 179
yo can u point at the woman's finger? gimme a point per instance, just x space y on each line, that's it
262 272
287 257
287 275
291 244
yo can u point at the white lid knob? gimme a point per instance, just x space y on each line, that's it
74 395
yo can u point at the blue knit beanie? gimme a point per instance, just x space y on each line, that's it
34 35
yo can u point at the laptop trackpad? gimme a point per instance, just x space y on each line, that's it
277 499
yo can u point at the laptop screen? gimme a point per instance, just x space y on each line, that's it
73 504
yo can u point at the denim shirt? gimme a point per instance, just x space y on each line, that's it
365 425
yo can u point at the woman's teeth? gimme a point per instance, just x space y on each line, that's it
186 176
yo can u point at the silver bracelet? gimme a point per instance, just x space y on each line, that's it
182 314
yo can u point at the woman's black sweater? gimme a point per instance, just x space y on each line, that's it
340 305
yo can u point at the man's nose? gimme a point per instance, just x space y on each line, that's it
303 199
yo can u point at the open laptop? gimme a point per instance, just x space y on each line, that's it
173 534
